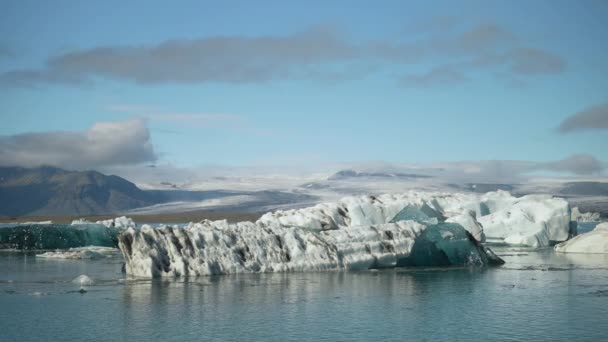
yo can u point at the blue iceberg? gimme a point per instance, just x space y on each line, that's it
58 236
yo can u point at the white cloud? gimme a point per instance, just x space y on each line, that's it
104 144
311 54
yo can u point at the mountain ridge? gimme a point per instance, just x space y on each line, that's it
52 191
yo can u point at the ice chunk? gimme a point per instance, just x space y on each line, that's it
83 280
578 216
35 222
446 244
89 252
593 242
209 248
469 221
58 236
347 212
118 222
422 214
533 220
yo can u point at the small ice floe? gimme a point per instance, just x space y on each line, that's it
34 222
83 280
118 222
39 293
89 252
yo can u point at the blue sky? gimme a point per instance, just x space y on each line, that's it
285 82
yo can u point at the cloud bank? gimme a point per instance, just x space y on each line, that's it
594 118
104 144
294 175
579 164
315 54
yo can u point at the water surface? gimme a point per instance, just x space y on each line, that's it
538 295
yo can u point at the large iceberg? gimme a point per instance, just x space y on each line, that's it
366 232
210 248
533 220
593 242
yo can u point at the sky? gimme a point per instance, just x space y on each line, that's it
192 84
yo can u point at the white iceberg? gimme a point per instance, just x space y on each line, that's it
533 220
410 229
210 248
83 280
89 252
118 222
469 221
593 242
35 222
578 216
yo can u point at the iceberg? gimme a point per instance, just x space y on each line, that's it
89 252
578 216
354 233
469 221
83 280
593 242
532 220
58 236
211 248
118 222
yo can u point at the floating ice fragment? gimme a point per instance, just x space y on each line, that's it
89 252
593 242
83 280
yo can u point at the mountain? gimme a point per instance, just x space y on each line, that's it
51 191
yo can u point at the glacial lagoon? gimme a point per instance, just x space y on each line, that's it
537 295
